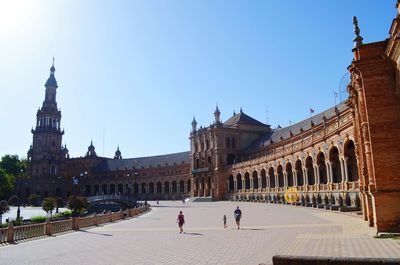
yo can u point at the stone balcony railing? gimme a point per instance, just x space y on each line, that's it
19 233
200 170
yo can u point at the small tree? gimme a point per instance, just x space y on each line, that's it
48 205
13 200
77 204
59 203
4 208
33 199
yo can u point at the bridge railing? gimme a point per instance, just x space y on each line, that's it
18 233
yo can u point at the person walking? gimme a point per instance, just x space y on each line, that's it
181 221
237 214
224 218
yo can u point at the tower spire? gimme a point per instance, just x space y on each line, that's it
357 39
217 113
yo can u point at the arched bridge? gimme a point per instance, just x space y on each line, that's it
117 199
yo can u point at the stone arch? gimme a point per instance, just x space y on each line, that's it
158 187
174 187
351 161
263 179
279 171
254 175
289 174
310 171
239 181
151 187
135 188
247 180
299 173
323 177
189 185
335 165
120 188
231 185
104 189
181 186
166 187
271 177
88 190
112 189
143 187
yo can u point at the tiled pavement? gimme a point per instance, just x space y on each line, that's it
153 238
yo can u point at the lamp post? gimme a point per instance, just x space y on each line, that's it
19 194
129 190
135 174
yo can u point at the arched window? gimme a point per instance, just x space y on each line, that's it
271 175
351 161
239 181
231 185
247 180
255 179
322 168
289 174
280 176
299 173
263 179
310 171
335 164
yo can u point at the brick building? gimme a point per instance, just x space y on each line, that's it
345 158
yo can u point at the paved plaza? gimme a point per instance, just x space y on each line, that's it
153 238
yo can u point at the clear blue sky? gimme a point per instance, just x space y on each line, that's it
139 70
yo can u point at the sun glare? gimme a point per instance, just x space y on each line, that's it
14 14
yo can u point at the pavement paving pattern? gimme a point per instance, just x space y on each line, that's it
153 238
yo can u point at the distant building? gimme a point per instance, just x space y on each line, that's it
345 158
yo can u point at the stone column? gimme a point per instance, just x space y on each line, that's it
329 172
285 180
294 174
251 182
185 188
346 173
305 176
316 174
235 185
276 181
342 169
170 188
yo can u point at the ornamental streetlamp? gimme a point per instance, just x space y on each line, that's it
129 190
19 194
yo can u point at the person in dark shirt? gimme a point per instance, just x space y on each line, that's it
238 214
181 221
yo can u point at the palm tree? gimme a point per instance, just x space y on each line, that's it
4 208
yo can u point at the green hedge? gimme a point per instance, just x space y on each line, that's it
38 219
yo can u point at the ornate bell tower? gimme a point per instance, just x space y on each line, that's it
46 155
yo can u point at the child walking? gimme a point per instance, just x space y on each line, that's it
225 221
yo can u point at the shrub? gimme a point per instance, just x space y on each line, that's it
48 205
38 219
33 200
67 214
77 204
13 200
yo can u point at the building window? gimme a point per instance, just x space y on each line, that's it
228 143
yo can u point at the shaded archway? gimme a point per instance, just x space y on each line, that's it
247 180
174 186
323 179
151 187
120 188
271 177
254 175
135 188
239 181
104 189
280 176
166 187
299 173
159 187
335 164
96 189
263 179
289 174
181 186
351 161
310 171
112 189
189 186
88 190
143 187
231 185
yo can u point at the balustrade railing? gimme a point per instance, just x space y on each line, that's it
61 226
29 231
3 235
18 233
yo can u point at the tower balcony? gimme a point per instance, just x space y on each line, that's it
200 170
